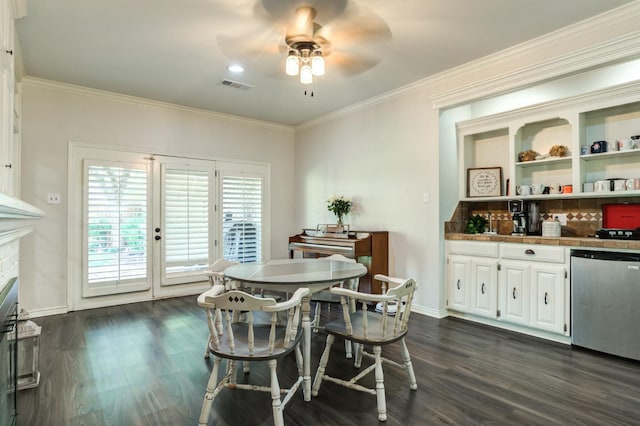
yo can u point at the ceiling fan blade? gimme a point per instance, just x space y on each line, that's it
285 10
350 64
357 24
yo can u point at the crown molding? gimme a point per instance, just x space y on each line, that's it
624 47
29 81
615 49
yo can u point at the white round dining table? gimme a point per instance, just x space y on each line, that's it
287 275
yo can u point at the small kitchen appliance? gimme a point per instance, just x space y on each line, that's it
620 222
526 217
519 215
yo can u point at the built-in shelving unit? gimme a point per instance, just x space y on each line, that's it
495 141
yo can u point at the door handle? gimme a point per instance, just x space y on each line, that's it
482 288
458 284
157 237
546 302
513 293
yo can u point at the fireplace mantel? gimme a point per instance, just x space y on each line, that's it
17 218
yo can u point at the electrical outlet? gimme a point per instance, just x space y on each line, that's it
562 218
54 198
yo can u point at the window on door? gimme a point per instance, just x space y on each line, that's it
116 203
242 212
187 225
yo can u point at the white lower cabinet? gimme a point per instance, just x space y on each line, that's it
484 287
548 297
518 284
472 277
514 292
459 283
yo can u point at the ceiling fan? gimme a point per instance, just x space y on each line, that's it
304 35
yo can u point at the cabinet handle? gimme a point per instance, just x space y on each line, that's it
458 284
482 288
529 251
546 302
513 293
10 52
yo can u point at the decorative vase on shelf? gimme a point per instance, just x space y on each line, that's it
340 220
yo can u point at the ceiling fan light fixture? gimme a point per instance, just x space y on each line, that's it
292 66
317 63
306 74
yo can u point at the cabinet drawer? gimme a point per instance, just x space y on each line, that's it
534 252
473 248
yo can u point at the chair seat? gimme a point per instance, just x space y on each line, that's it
261 350
374 329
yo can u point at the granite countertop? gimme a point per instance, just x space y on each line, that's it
552 241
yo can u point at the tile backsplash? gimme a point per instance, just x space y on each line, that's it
584 215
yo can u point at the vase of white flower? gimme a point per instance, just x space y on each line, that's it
340 206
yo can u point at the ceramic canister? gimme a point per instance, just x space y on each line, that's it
551 228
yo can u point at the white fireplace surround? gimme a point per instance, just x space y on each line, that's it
17 219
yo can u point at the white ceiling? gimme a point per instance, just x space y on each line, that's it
177 51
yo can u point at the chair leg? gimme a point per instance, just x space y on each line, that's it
232 368
299 360
208 396
316 317
278 418
207 350
382 402
357 349
407 365
324 360
347 349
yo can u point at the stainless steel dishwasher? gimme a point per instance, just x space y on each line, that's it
605 302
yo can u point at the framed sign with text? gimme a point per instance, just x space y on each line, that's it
484 182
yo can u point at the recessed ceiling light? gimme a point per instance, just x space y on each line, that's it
235 68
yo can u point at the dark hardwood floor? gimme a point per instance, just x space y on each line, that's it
142 364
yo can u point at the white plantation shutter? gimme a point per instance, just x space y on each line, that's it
116 217
186 220
242 209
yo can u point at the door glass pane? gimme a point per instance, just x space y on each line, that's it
242 218
116 217
186 220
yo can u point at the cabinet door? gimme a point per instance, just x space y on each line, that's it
514 292
484 294
459 283
547 297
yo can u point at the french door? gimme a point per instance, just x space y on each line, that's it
147 226
184 222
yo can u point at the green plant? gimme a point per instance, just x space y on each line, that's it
476 225
339 205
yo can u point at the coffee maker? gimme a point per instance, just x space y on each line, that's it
519 215
525 216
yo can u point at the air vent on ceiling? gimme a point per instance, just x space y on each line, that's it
236 85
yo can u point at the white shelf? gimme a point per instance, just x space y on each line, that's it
611 154
619 194
545 161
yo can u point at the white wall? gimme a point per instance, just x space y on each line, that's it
54 114
385 157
